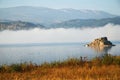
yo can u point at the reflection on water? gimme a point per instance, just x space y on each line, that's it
41 53
101 49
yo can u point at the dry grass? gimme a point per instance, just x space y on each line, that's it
71 69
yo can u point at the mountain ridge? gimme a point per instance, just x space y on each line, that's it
18 25
48 15
75 23
84 23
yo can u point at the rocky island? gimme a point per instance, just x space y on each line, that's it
101 42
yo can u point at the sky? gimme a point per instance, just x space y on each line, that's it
111 6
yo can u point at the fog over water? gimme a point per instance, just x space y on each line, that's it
50 52
60 35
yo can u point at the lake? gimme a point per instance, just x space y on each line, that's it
47 45
48 52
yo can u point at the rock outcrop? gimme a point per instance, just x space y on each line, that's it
100 42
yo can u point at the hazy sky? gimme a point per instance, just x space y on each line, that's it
60 35
111 6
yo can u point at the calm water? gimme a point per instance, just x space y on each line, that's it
39 53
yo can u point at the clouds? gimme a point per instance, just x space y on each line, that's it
59 35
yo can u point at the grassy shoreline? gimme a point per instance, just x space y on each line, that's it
106 67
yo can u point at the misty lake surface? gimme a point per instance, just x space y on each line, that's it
48 52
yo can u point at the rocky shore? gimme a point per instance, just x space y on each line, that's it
101 42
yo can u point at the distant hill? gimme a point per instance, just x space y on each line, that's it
76 23
49 16
83 23
18 25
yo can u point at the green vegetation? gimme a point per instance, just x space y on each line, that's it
18 67
99 68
